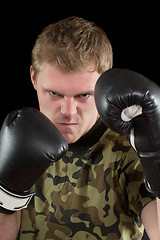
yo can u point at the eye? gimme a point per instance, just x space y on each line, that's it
84 95
55 94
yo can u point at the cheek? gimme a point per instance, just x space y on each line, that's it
49 108
41 100
90 110
44 103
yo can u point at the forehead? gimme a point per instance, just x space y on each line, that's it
67 83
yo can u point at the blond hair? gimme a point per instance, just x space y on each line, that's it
72 44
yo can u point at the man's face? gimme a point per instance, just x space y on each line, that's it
67 99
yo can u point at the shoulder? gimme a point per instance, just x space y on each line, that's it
117 145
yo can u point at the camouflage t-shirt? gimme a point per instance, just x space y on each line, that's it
96 191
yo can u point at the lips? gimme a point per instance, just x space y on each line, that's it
68 124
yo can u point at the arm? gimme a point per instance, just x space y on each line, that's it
158 209
135 112
9 225
29 143
149 218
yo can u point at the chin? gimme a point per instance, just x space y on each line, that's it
71 139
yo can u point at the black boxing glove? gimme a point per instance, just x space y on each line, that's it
129 103
29 143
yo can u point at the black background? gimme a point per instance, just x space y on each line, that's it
132 28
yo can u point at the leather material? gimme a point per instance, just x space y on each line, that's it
119 89
29 143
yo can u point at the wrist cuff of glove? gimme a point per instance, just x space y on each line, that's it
148 187
13 202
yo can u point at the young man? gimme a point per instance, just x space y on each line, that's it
95 191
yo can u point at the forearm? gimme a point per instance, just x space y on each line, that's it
9 226
158 209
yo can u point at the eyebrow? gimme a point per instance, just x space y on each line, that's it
90 92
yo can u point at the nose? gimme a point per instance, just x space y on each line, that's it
68 106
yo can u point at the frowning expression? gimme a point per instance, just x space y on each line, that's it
67 99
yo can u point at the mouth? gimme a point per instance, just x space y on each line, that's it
68 124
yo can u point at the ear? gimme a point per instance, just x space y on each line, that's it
33 78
